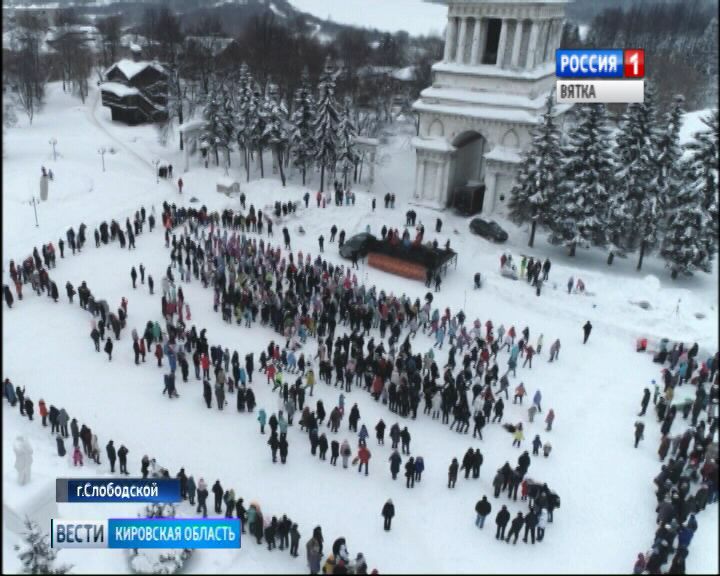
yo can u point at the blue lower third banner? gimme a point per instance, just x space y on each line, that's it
79 490
146 533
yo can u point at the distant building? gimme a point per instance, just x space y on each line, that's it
136 91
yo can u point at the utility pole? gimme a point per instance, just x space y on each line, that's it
34 205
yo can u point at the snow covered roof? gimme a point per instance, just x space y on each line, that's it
406 74
434 144
191 126
504 154
119 90
130 69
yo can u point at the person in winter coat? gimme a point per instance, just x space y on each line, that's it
501 520
111 454
345 452
549 419
312 550
518 435
43 411
537 399
410 473
9 298
363 457
262 418
202 495
380 432
405 440
207 393
452 473
483 509
541 524
218 492
109 348
587 328
60 445
644 402
419 468
191 489
294 540
531 521
639 566
395 461
639 430
220 395
77 456
515 527
388 512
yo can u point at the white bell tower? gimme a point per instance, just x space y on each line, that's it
488 92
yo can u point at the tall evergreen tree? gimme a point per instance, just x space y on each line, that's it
213 134
227 121
635 207
277 127
35 553
302 137
535 191
245 108
703 174
326 121
257 125
683 243
578 215
347 157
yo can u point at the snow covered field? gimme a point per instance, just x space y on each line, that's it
607 514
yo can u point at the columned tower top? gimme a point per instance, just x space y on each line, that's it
507 34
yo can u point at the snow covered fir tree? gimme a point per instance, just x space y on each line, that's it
534 196
156 560
35 553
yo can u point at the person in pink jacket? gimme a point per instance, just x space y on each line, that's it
77 456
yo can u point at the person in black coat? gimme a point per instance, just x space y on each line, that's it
395 461
218 493
183 483
122 459
109 348
294 540
283 446
241 513
483 508
587 328
452 473
645 401
112 456
334 452
477 462
501 520
531 522
410 473
202 496
274 443
388 511
323 446
29 408
515 527
60 445
207 393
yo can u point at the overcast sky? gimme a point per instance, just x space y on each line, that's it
415 16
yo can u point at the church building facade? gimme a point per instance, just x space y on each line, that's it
488 92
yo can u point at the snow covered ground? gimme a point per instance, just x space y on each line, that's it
607 513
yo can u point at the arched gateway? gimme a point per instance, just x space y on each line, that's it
487 93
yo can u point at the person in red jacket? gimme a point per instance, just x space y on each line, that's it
205 365
159 353
42 409
270 373
511 333
364 458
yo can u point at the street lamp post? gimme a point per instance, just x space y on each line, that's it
34 205
102 150
53 142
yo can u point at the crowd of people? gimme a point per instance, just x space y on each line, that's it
688 478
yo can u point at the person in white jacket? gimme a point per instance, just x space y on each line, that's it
436 405
542 523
